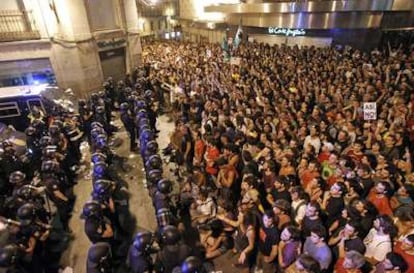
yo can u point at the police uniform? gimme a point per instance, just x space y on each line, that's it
129 124
138 262
95 228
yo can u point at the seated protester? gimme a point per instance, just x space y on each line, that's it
226 176
311 219
379 239
289 247
245 242
405 248
267 243
316 247
352 262
347 240
402 197
378 197
249 193
333 202
279 190
393 263
281 210
216 242
299 202
304 264
203 209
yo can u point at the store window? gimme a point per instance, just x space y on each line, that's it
102 14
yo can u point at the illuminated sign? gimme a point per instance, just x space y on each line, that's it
287 31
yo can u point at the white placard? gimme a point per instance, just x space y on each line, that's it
235 60
370 110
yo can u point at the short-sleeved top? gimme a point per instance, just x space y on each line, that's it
290 252
409 258
377 245
322 253
268 237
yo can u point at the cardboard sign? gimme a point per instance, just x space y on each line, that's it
235 60
370 110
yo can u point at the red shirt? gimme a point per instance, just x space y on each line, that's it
212 154
339 268
409 258
382 204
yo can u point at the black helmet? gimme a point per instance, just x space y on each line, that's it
53 129
94 96
95 132
99 257
27 192
96 124
164 186
192 265
26 214
99 169
92 208
45 141
152 147
154 162
170 235
82 102
164 217
100 109
30 131
8 255
142 241
124 106
101 140
148 93
102 187
154 176
16 177
98 157
49 166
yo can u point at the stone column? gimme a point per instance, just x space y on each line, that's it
134 49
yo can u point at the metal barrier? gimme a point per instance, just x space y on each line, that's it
17 25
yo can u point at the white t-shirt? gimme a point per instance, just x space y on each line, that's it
377 245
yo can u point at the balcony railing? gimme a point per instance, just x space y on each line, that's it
16 25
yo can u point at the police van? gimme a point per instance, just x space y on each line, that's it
18 102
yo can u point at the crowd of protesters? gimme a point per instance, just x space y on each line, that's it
277 163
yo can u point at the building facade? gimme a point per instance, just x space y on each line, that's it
78 43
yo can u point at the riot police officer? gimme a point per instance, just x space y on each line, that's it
98 228
139 258
192 264
173 252
10 258
99 258
128 121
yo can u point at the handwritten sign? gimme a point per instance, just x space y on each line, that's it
370 110
287 31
